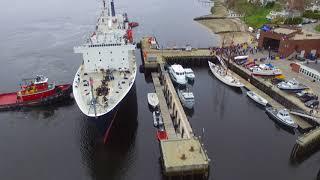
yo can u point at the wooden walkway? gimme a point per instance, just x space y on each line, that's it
152 58
168 125
182 154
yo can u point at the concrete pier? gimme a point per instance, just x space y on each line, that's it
153 57
305 146
182 154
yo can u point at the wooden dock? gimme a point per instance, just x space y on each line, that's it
168 125
154 56
182 154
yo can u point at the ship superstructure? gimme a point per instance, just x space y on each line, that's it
108 70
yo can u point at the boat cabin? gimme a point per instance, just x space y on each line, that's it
34 88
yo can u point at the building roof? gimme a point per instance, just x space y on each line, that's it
306 35
313 66
285 31
297 35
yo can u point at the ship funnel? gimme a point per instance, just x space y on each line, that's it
113 12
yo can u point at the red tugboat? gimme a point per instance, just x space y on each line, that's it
35 91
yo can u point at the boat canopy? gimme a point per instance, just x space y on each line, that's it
177 68
270 65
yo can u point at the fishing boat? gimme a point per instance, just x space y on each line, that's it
153 100
224 75
177 74
282 116
186 97
34 92
257 98
161 135
189 74
265 70
291 86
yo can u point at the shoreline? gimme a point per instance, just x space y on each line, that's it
230 28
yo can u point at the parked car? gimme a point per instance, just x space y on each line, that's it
307 97
312 103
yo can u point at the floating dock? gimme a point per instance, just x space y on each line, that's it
182 154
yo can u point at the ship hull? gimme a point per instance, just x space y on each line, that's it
106 122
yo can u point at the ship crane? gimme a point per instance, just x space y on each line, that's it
93 103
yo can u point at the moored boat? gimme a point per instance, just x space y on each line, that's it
291 86
177 74
224 75
162 135
265 70
257 98
157 119
282 116
189 74
153 100
34 92
187 98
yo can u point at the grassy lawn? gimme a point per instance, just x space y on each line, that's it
317 28
255 16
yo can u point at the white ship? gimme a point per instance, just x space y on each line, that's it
108 70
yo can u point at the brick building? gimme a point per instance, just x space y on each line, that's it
286 41
296 5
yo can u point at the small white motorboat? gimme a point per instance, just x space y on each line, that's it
265 70
187 98
257 98
189 74
157 120
178 74
281 116
153 100
224 76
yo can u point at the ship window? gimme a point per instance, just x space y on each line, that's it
110 52
122 58
99 52
88 60
100 60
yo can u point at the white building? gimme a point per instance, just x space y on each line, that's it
262 2
309 70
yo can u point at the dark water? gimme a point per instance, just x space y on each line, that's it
37 37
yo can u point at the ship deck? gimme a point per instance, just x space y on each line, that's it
8 99
109 87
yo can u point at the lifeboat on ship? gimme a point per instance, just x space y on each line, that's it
133 24
34 92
